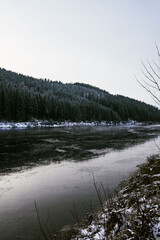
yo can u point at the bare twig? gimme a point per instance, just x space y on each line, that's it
152 78
39 222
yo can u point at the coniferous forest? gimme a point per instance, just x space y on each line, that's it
24 98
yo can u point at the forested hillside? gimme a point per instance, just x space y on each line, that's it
23 98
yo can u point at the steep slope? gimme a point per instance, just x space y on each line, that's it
23 98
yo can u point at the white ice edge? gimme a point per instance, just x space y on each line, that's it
41 123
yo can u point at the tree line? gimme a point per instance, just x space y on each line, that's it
24 98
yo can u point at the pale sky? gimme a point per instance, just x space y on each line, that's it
99 42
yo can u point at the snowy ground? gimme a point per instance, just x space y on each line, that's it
43 123
134 213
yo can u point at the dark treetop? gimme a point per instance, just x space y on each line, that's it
23 98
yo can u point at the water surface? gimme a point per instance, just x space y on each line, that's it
55 167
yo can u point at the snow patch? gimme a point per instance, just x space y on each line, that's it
45 123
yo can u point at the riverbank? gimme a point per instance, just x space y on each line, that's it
134 211
45 123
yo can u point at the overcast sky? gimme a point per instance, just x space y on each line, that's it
99 42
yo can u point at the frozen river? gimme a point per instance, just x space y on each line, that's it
55 168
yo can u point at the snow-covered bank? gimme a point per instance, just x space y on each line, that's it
134 213
45 123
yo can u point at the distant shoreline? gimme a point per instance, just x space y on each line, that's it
6 125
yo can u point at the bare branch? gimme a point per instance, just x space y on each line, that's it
157 50
39 222
146 76
153 79
149 85
151 73
155 98
156 65
156 82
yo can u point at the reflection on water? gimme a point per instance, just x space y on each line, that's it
57 167
28 148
